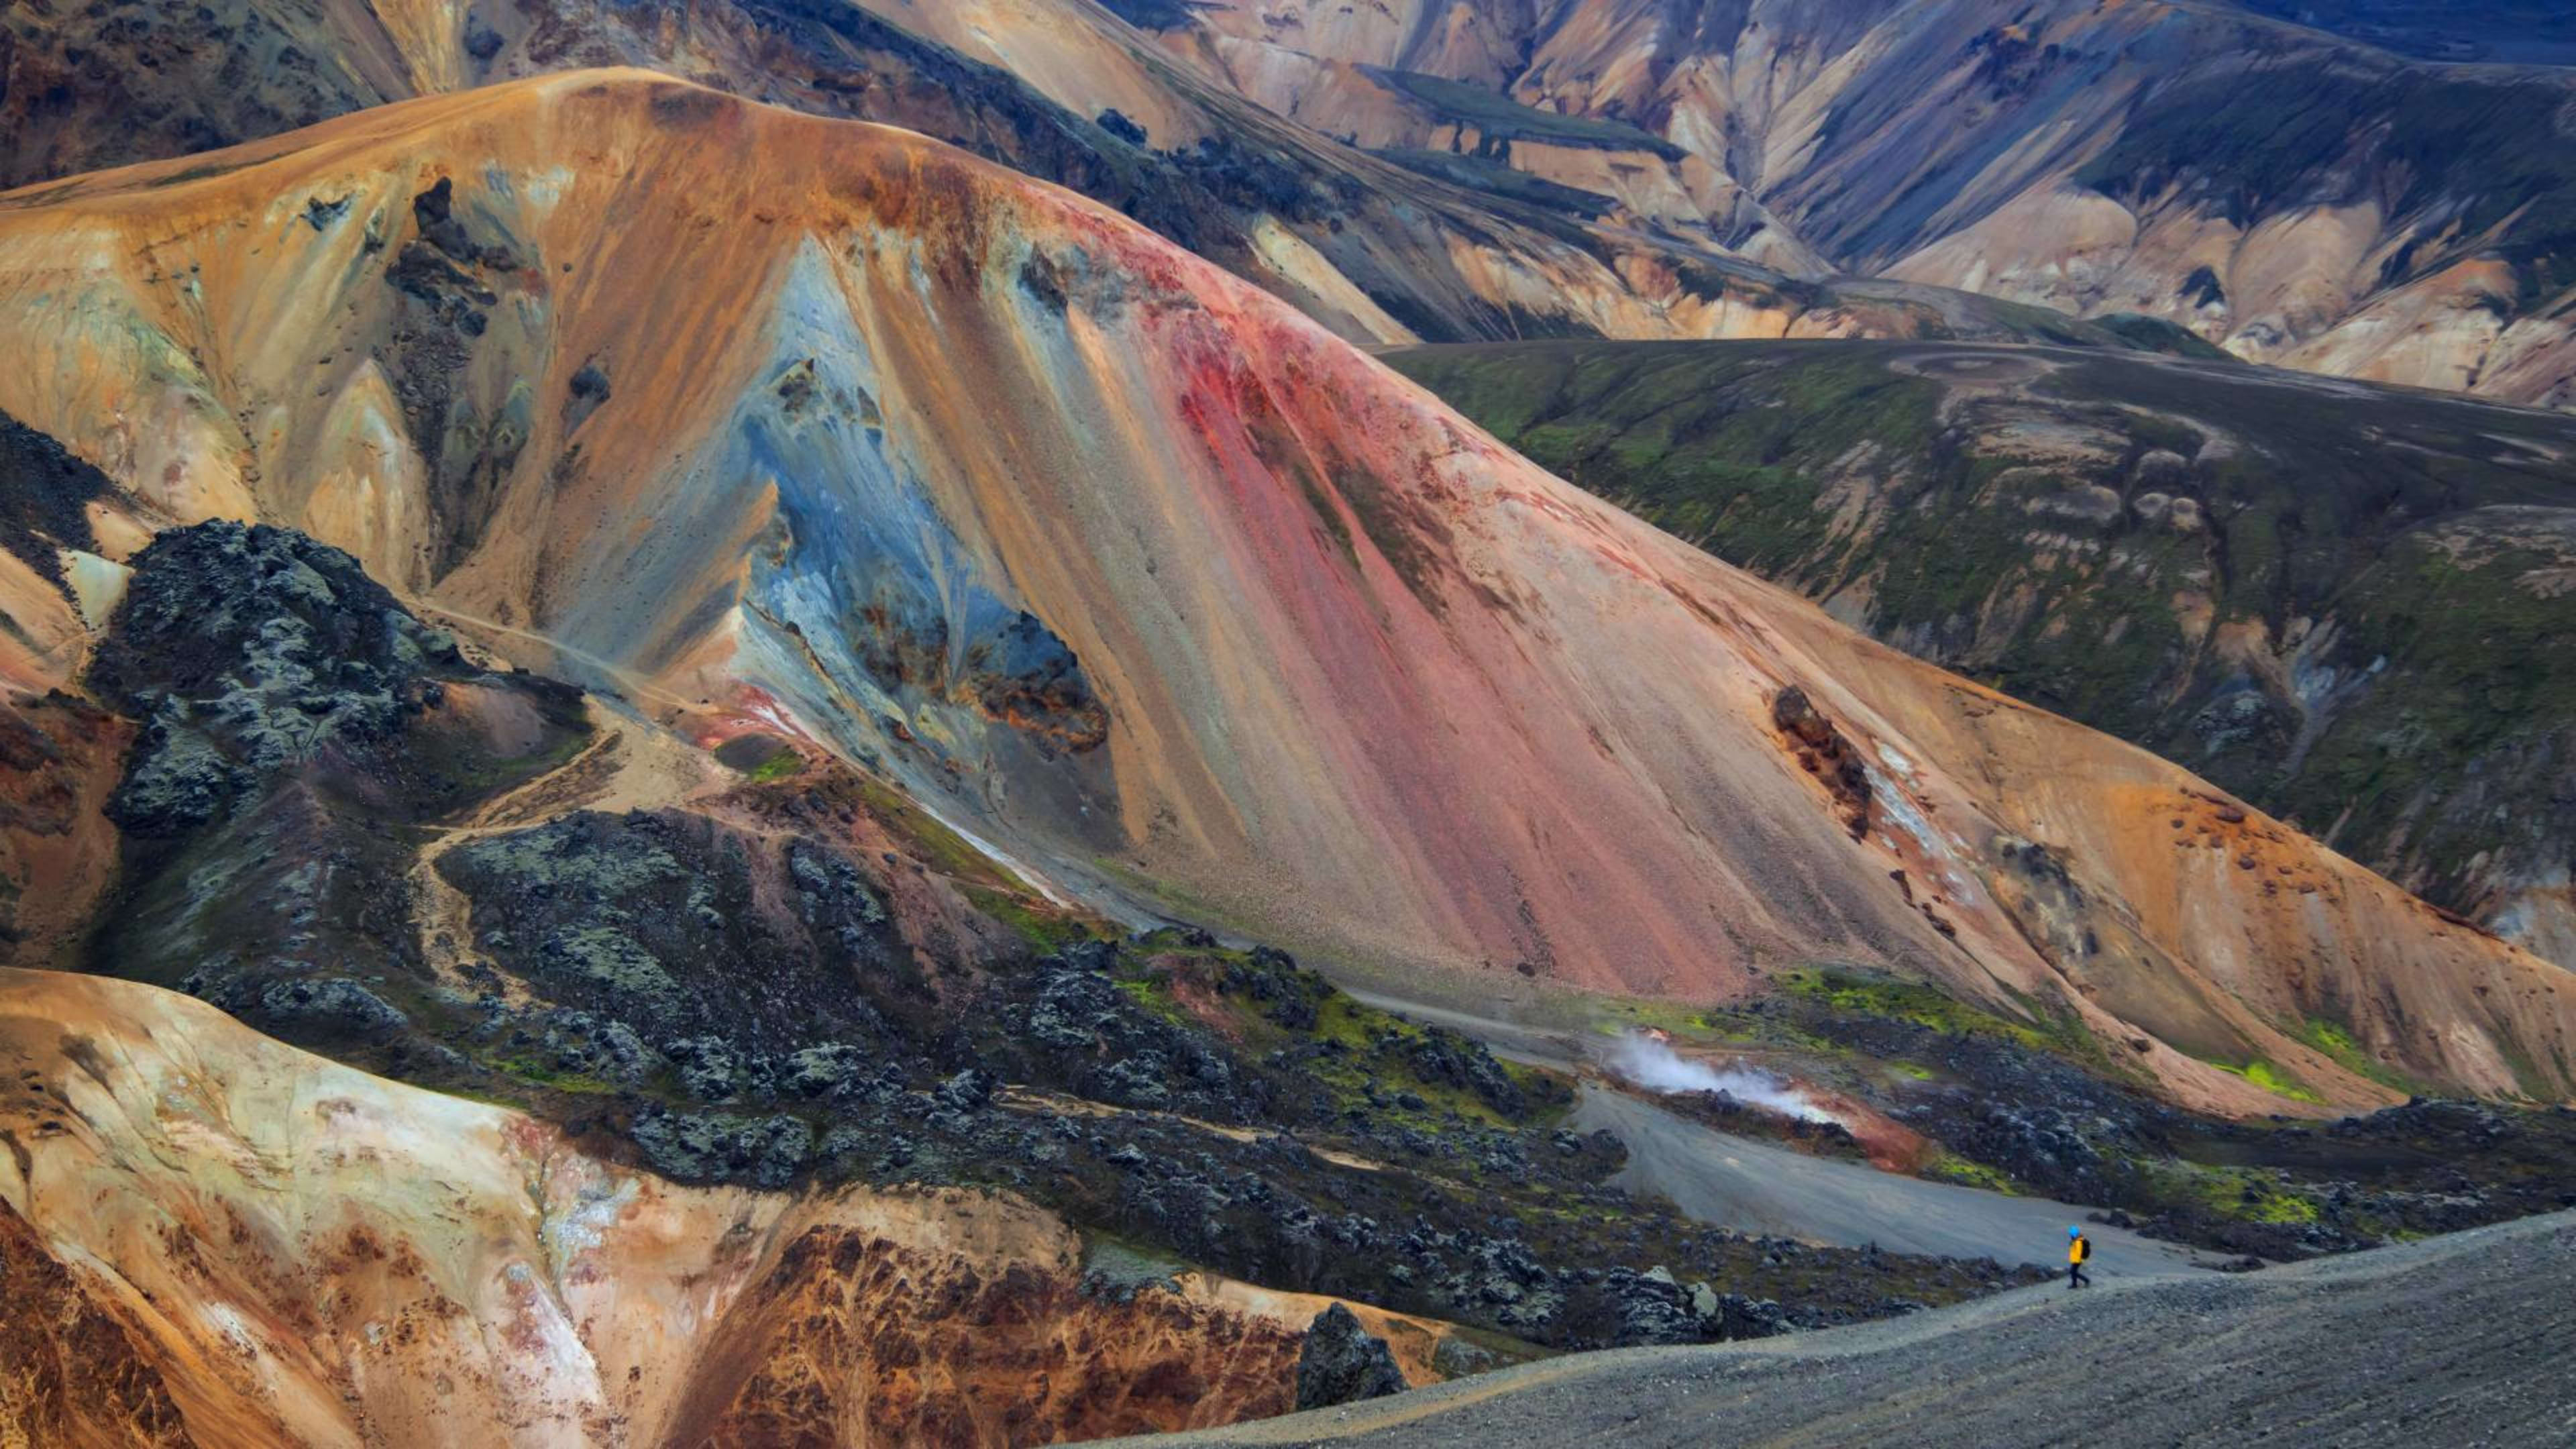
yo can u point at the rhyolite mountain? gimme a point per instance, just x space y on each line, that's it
2352 605
2512 32
1140 577
731 636
1376 249
2296 196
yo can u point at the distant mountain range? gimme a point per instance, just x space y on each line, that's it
2292 195
2508 32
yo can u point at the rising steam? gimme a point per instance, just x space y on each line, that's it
1658 1068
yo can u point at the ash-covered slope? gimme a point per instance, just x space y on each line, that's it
1152 581
2293 195
2363 1350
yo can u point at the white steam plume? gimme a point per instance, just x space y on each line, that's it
1658 1068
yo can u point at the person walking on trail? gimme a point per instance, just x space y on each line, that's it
2078 1248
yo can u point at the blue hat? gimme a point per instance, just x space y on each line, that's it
2074 1232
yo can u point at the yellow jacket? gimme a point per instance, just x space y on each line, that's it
2075 1249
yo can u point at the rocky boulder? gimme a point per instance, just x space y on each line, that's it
1343 1363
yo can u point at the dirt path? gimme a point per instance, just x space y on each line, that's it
627 680
628 765
1537 1046
1760 1187
2458 1341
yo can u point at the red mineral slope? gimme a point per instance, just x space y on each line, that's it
209 1238
1138 573
74 1376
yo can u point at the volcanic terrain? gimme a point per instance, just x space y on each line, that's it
774 696
1148 580
1377 248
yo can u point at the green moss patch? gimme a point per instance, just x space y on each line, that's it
2270 1078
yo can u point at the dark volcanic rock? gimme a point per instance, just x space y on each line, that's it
249 650
732 994
297 722
325 1007
1823 751
1343 1363
583 395
722 1147
738 953
42 490
1117 124
1083 1030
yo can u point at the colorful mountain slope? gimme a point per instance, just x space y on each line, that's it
1379 248
2350 604
734 962
1151 581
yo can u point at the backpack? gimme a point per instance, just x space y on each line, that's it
2084 1250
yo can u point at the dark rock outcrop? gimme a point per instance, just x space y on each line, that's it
297 722
1343 1363
1823 752
248 651
42 489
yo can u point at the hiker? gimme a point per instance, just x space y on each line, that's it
2078 1248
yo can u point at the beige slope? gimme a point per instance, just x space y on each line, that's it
1351 675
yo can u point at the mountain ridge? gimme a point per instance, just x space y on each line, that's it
1376 248
2285 192
1387 552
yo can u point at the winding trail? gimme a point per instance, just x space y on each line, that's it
627 680
2461 1340
636 687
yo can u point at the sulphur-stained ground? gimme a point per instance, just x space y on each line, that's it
2457 1340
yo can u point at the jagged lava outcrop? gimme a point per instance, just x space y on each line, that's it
1149 580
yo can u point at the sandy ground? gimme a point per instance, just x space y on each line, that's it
2459 1341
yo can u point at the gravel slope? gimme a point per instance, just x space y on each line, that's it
2461 1340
